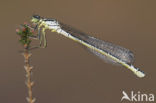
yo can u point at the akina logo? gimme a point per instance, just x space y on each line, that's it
137 96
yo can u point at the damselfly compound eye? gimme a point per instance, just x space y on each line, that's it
36 17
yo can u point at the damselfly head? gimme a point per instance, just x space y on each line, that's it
35 18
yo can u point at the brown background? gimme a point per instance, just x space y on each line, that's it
64 72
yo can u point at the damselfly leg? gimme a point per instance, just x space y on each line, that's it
44 38
40 36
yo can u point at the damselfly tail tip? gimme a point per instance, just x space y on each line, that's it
137 71
140 74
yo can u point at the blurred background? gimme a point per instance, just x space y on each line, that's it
64 72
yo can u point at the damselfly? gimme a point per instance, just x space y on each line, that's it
107 51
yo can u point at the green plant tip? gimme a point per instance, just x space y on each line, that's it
25 32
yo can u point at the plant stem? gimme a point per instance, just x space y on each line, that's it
28 69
